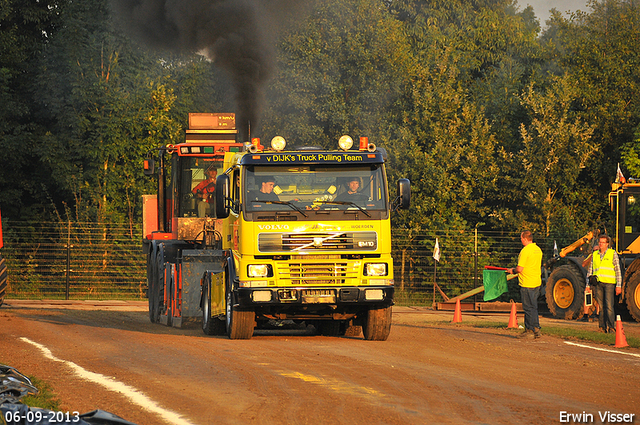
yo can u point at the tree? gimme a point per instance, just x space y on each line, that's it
25 28
338 73
106 104
557 145
600 51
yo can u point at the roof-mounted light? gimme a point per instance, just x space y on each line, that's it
345 142
278 143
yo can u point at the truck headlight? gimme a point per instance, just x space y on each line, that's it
259 270
376 269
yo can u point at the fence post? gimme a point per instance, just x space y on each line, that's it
68 271
475 262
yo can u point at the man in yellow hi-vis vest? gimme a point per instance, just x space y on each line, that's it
605 278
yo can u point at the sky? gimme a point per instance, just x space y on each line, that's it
542 7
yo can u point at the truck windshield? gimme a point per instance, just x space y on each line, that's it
304 189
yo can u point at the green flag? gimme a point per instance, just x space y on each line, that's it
495 283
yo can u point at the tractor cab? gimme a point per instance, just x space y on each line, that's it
624 200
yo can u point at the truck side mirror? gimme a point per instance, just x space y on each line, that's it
404 192
223 192
149 166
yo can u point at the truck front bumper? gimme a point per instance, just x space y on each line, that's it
315 296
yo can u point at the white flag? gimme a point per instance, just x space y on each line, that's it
436 251
555 249
619 176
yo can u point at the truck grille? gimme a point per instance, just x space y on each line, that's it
324 273
301 242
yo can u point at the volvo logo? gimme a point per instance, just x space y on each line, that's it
273 226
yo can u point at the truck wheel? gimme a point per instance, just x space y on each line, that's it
151 286
156 290
377 324
210 325
632 295
3 280
240 323
565 293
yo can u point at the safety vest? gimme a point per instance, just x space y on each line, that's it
603 268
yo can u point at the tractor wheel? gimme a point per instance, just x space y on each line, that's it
3 280
210 325
240 323
632 295
565 293
377 324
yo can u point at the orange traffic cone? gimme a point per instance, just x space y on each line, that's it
513 319
457 315
621 340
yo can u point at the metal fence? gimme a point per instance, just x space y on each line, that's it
103 261
74 260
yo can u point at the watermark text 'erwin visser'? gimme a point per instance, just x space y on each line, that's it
605 417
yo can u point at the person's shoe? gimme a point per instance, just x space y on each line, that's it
536 333
602 330
527 333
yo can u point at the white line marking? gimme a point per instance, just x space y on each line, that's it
111 384
602 349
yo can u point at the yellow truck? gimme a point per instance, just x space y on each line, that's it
301 235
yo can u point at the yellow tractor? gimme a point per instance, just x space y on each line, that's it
567 279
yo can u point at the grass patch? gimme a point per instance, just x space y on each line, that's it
45 399
564 333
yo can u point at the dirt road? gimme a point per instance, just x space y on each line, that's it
429 371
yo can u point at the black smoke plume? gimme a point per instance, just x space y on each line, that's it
234 34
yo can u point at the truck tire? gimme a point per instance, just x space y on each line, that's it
377 324
3 280
632 296
240 323
210 325
151 286
156 292
565 293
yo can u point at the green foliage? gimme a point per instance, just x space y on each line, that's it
24 28
338 74
631 154
557 144
601 56
493 122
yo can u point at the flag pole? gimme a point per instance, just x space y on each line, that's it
435 266
436 259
